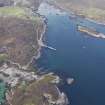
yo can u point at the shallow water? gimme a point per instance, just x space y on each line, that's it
2 92
78 55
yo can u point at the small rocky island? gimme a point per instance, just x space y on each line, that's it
21 28
90 32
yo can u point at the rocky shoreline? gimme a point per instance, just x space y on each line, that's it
13 77
23 82
90 32
74 13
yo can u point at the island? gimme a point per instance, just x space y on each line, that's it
70 81
90 32
21 32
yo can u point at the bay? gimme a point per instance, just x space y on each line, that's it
77 55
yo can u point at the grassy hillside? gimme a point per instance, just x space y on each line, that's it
18 35
33 93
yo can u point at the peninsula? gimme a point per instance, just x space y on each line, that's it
21 31
90 32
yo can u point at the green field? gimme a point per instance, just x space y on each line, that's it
18 12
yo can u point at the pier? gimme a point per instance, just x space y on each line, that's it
46 46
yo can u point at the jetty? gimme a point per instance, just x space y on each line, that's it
40 40
46 46
49 47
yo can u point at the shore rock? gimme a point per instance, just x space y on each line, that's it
70 81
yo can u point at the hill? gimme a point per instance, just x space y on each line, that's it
86 8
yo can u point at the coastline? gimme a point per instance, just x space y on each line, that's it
90 32
39 37
38 52
15 68
40 40
96 21
37 55
71 13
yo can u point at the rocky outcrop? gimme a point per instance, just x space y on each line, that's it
62 99
91 32
34 89
13 75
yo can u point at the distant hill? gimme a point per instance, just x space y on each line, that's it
90 3
93 9
27 3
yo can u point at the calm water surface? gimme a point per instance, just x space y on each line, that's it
2 92
78 55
